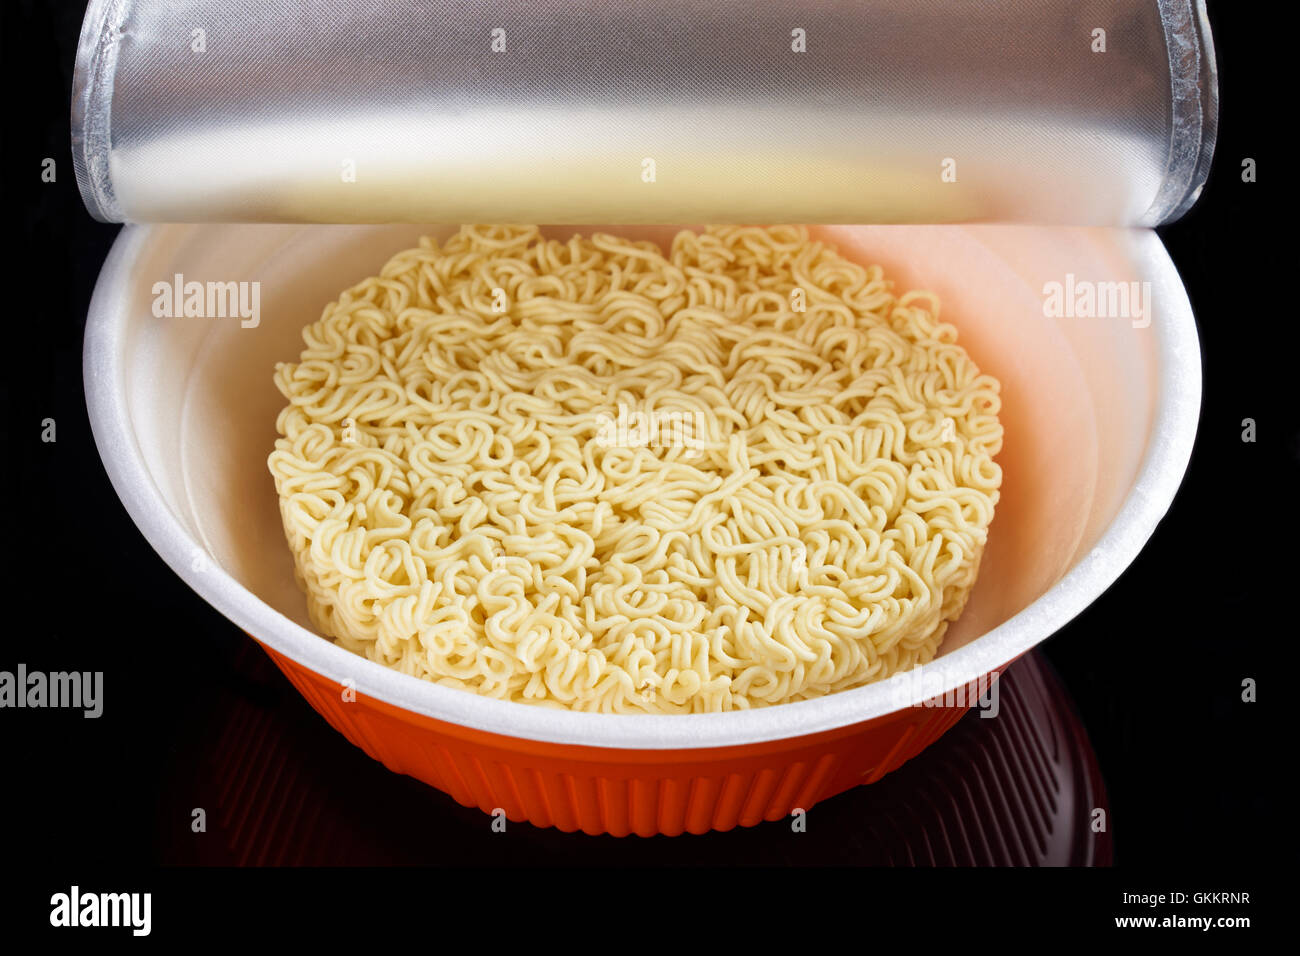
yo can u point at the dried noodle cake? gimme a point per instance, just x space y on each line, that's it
590 474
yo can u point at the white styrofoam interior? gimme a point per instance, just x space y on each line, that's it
1099 415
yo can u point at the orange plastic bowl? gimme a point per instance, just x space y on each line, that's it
1100 415
621 791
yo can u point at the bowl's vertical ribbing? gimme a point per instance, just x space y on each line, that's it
622 792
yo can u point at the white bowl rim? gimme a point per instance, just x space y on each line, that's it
1173 433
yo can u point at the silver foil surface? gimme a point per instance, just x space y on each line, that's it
1081 112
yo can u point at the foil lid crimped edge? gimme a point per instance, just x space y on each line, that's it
92 103
1194 95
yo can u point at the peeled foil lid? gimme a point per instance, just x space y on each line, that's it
1077 112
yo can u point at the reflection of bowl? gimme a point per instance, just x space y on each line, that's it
1100 414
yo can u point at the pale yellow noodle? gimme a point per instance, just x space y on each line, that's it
582 474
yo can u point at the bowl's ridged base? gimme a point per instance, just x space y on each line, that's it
620 792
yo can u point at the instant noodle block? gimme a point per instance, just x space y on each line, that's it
804 514
1088 330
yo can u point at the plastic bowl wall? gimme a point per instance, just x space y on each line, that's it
1100 414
